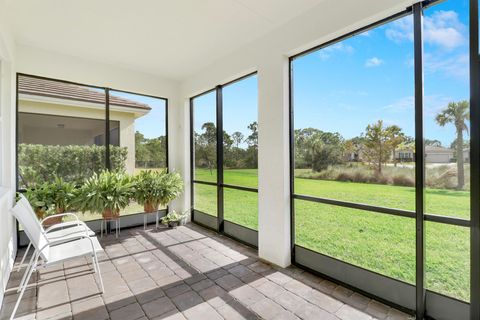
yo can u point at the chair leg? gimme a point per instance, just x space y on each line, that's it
94 264
22 291
95 258
29 266
24 256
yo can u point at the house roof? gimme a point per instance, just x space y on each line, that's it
63 90
433 149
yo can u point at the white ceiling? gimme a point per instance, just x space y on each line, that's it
170 38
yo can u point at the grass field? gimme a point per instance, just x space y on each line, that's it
378 242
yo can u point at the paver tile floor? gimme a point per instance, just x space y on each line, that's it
185 273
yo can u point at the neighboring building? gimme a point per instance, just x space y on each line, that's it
58 113
439 155
433 154
404 155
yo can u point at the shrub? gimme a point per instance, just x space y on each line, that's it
40 163
360 176
437 176
382 179
345 177
403 180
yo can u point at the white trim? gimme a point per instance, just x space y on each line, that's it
10 257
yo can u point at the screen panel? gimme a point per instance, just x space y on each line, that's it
138 138
354 121
240 114
378 242
205 198
448 260
61 131
241 207
205 137
447 109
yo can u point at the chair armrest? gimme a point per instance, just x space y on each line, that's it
65 224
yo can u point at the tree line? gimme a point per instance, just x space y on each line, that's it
150 152
317 150
240 151
378 144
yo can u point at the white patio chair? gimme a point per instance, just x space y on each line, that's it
57 231
48 252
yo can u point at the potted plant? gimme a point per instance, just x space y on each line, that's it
173 219
40 199
155 188
106 193
61 195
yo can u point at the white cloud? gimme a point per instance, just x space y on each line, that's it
366 33
453 66
442 29
373 62
337 48
432 105
400 30
401 105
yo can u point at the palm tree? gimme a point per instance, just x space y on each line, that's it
458 114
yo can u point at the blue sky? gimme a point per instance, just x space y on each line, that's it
358 81
240 107
370 77
152 125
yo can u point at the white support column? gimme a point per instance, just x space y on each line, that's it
274 184
179 149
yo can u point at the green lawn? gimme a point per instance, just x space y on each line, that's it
378 242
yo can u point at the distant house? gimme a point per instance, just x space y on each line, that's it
434 154
404 156
59 113
439 155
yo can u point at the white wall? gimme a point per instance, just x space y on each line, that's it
7 160
269 56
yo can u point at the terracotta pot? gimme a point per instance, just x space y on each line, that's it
40 213
53 220
109 214
150 207
60 210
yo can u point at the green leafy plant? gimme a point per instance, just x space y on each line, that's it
62 194
40 199
154 188
173 219
106 193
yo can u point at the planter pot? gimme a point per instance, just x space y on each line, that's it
174 224
109 214
150 207
52 221
40 214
